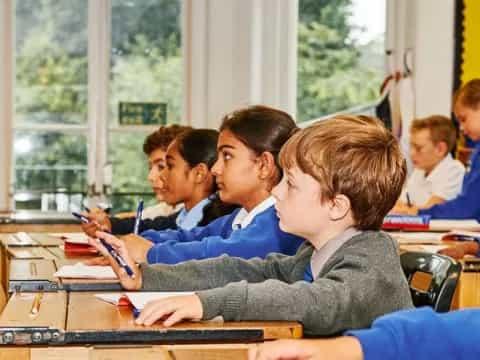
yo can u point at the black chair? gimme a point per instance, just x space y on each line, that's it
438 276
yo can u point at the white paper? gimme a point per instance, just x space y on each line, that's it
448 225
433 248
140 299
73 238
417 237
82 271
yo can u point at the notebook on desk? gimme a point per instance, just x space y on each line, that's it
76 244
82 271
406 222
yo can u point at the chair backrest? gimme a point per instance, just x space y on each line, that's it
432 278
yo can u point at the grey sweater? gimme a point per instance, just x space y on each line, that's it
362 280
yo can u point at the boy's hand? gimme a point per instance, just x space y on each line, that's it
173 309
137 247
341 348
97 261
404 210
99 221
129 283
460 250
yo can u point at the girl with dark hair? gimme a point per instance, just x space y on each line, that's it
246 171
186 178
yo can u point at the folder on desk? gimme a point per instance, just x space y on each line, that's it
76 244
406 222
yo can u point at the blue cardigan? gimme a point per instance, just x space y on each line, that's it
467 204
422 334
261 237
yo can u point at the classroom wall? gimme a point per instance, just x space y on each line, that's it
434 55
242 53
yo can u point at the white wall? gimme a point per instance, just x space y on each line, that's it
242 52
434 56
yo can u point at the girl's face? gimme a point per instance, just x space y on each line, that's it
236 171
156 164
469 120
178 178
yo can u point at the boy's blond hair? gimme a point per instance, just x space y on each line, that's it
441 129
468 95
351 155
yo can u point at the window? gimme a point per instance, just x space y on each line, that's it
54 131
341 61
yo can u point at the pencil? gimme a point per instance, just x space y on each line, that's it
36 303
409 202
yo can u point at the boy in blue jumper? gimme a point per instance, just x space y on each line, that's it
246 170
467 204
411 334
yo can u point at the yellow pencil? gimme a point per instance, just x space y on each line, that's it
36 303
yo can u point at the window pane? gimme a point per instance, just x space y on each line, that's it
340 55
46 164
129 172
146 66
146 61
51 61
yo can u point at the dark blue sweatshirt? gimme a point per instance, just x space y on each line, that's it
422 334
261 237
467 204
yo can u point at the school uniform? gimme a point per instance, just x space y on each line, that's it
422 334
354 280
467 204
445 181
244 234
182 219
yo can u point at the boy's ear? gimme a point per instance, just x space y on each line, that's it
442 147
340 207
200 173
267 165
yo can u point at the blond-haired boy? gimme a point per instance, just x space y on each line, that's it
437 176
341 177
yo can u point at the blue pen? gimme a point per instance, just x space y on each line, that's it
107 246
136 312
138 218
82 218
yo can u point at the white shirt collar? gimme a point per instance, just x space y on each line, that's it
244 218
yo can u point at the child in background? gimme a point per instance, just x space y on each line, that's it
413 334
246 171
467 204
341 177
155 147
437 176
186 178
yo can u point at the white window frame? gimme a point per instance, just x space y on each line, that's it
96 129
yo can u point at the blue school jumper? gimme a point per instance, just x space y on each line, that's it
261 237
422 334
467 204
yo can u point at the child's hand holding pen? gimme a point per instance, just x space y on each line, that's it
99 220
131 281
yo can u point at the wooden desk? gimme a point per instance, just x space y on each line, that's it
64 328
25 256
